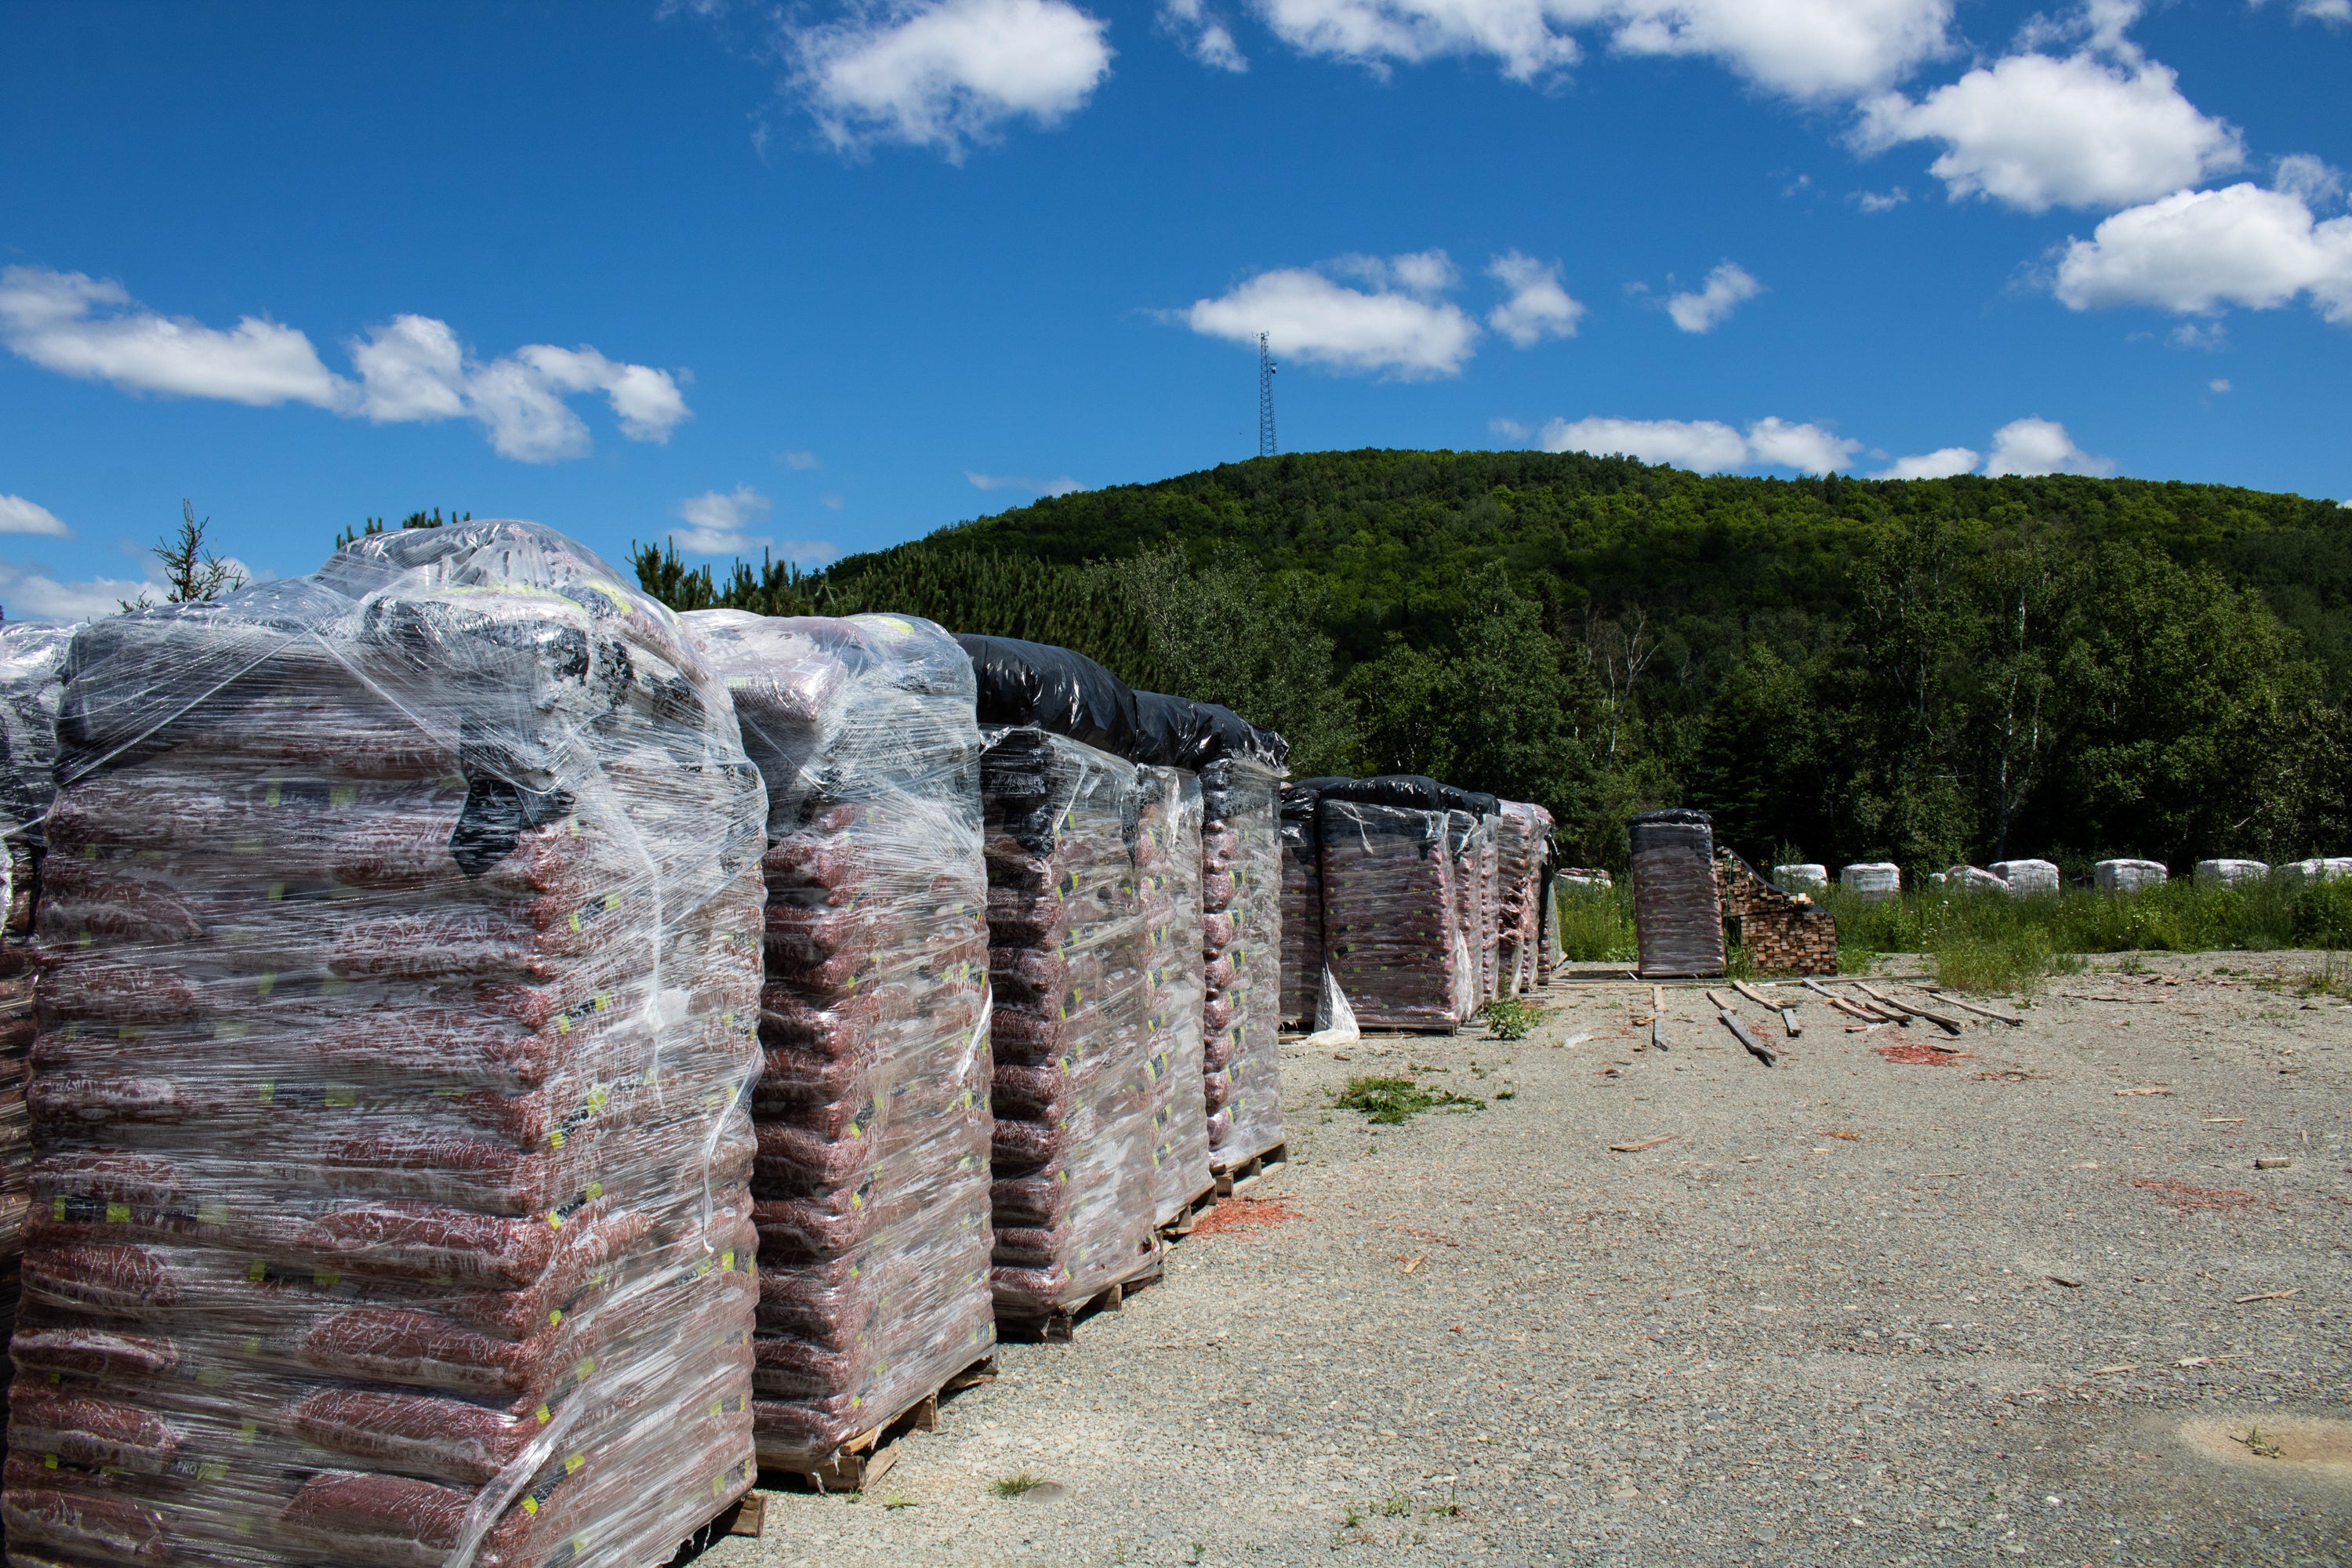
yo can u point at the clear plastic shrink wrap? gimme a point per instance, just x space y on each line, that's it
1677 905
399 975
1490 909
1389 925
1168 870
1515 842
1074 1198
1462 837
1241 935
1302 902
31 662
870 1191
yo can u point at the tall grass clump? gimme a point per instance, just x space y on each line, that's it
1596 924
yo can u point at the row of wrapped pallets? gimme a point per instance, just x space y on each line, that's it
487 1064
1412 903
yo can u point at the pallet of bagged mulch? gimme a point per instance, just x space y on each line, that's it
865 1457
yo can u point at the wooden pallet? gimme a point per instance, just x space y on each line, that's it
747 1515
864 1458
1059 1327
1196 1205
1232 1177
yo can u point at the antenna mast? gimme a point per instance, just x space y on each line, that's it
1265 398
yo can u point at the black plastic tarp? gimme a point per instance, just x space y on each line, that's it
1175 731
1054 689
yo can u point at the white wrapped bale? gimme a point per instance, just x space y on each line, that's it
2298 873
1969 880
2231 873
1803 877
2026 878
1872 880
2128 876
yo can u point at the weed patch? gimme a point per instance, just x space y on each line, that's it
1509 1018
1394 1101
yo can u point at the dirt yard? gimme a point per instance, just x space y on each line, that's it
2031 1302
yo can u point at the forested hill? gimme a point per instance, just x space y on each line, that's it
1927 669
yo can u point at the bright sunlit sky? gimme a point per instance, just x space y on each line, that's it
826 278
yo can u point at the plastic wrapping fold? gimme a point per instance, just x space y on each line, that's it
1240 929
1168 868
870 1189
399 971
1389 922
1074 1198
1515 915
32 658
1465 835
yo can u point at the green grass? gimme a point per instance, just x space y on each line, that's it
1509 1018
1394 1101
1596 924
1021 1485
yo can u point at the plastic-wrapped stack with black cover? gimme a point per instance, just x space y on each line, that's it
1241 933
1515 868
1677 906
1073 1196
870 1191
399 975
1302 902
1168 873
1390 932
31 660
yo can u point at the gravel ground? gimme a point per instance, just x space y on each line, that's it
1856 1310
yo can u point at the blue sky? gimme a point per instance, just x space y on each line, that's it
833 276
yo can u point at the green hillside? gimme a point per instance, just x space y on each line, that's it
1928 670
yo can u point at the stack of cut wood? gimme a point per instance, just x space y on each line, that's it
1074 1197
871 1186
1241 934
399 972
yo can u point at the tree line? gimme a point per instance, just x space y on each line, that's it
1927 671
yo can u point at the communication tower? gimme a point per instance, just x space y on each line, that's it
1265 398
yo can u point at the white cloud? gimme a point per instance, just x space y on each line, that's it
2195 252
93 330
831 503
715 520
809 552
2316 10
2035 132
2039 447
2317 181
1809 49
412 369
1202 32
799 462
1809 448
27 593
1881 202
1061 487
1394 329
1538 307
2211 336
1508 429
19 515
2218 384
1940 464
1727 288
948 73
1702 444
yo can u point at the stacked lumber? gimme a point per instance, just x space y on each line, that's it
871 1187
399 976
1241 936
1073 1195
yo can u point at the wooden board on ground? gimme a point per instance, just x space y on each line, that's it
860 1462
1231 1177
